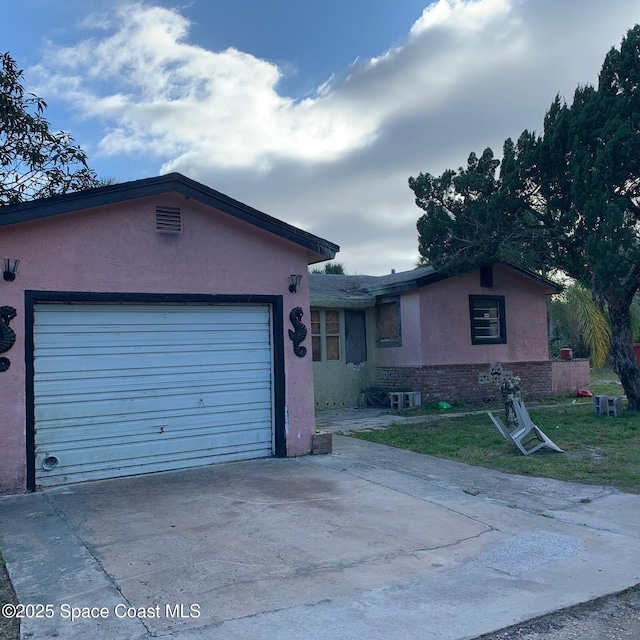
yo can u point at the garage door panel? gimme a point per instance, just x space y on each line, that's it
210 343
127 315
68 390
79 434
168 405
138 467
166 445
121 390
244 385
109 361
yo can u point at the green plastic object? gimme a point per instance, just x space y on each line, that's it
444 405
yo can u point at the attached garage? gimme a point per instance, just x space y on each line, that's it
122 389
150 327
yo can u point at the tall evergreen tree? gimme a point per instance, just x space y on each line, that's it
567 199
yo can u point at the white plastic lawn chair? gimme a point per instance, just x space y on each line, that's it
526 434
537 433
510 436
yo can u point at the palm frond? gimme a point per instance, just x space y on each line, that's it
593 324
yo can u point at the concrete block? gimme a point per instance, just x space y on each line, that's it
607 405
321 443
397 400
412 399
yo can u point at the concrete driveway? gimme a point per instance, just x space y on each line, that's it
370 542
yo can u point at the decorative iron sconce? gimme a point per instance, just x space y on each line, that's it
295 283
10 269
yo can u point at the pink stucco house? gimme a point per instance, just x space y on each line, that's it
147 328
435 334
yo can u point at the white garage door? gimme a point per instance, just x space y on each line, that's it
127 389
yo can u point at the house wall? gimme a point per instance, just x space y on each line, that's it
116 249
445 321
338 384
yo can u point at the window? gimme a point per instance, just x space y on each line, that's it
325 334
388 330
488 324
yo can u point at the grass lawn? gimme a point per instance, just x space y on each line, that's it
604 382
598 449
9 627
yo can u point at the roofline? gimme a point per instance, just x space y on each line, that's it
112 194
377 291
437 276
532 275
408 285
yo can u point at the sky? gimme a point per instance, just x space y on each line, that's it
314 112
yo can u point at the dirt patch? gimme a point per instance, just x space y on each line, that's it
615 617
586 453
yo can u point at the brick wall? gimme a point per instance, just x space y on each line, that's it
461 382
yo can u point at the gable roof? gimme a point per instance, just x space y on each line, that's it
173 182
361 291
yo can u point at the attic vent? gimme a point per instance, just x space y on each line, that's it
168 220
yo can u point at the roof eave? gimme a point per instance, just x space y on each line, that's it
101 196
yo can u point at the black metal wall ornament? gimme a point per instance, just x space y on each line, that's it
300 332
7 334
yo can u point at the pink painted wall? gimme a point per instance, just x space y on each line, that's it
567 376
436 325
444 308
116 249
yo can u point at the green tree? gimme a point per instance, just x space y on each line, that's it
567 199
335 268
35 162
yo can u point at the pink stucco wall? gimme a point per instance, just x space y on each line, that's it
445 308
116 249
441 320
567 376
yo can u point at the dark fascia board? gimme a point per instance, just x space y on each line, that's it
112 194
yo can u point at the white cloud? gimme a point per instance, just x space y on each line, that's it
469 74
460 15
176 98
